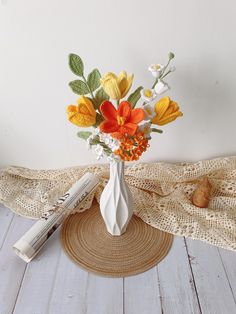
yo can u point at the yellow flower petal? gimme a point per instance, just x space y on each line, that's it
166 111
83 115
117 86
170 118
110 85
85 106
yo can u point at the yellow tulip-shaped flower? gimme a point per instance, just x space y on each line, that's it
83 114
166 111
117 86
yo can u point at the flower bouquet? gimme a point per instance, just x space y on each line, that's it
122 130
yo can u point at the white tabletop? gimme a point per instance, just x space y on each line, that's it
193 278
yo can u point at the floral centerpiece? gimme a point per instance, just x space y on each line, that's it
122 130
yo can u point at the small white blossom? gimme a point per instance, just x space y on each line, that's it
156 70
96 132
148 95
99 151
112 143
161 87
146 129
149 112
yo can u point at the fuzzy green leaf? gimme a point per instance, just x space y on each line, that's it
76 64
156 130
134 97
79 87
100 96
94 80
84 134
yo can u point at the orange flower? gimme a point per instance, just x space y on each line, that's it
121 121
132 147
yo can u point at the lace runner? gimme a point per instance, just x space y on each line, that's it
162 194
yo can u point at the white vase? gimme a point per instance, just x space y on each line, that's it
116 203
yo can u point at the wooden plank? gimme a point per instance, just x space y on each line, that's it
12 268
229 263
141 293
38 282
6 217
104 295
214 292
69 293
57 285
178 293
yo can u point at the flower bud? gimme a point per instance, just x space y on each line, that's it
171 55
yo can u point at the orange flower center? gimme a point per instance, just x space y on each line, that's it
120 120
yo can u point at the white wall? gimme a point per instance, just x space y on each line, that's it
36 37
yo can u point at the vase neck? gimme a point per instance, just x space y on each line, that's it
117 168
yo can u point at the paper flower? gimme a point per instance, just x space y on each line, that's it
84 114
148 95
156 69
121 121
166 111
117 86
161 87
149 112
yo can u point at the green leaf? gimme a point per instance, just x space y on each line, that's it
134 97
100 96
84 134
79 87
94 80
76 64
156 130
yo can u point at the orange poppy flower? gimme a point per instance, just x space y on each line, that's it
121 121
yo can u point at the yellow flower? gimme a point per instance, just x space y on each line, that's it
166 111
117 86
83 114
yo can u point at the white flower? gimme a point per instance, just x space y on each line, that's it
146 129
161 87
114 145
107 139
148 95
149 112
156 69
96 132
99 151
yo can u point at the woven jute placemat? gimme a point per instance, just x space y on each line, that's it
86 241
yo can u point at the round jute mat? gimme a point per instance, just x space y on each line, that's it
86 241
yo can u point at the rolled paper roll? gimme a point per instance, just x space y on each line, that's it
28 246
201 196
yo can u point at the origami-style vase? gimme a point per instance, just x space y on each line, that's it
116 203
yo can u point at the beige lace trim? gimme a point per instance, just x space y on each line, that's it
162 194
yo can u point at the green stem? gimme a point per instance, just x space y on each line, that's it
165 68
166 74
154 84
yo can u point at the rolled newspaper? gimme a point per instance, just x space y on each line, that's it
31 243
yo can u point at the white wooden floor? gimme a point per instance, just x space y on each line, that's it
193 278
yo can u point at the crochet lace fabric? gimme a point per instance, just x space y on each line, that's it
162 194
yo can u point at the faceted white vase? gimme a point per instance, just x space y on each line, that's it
116 203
